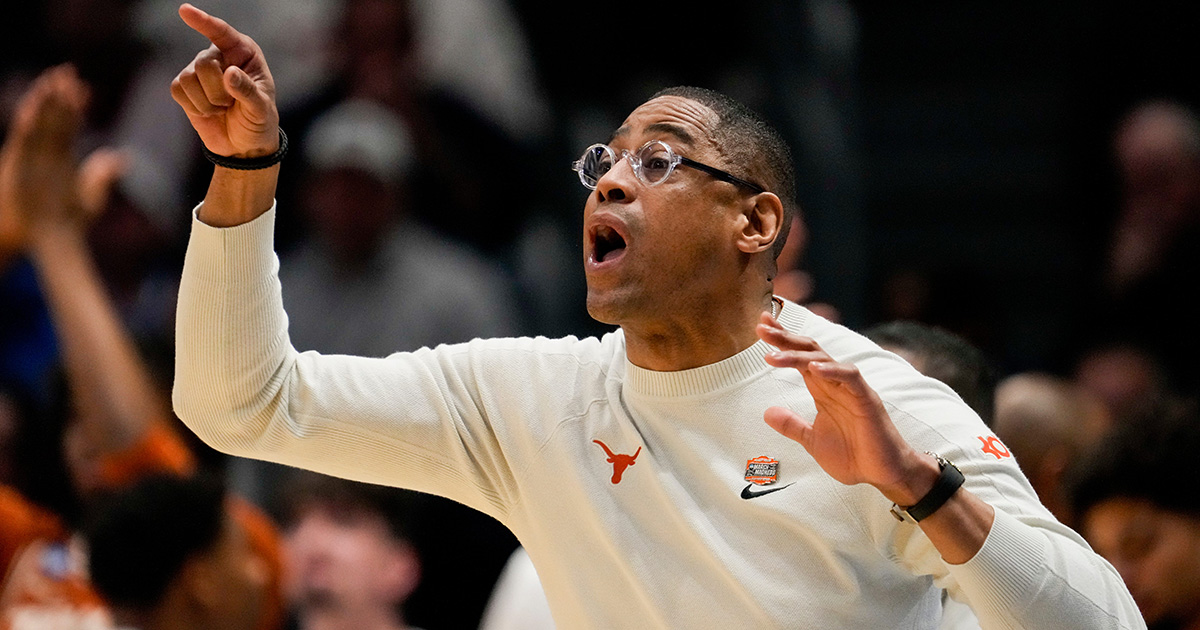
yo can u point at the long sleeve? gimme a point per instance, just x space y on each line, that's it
532 431
414 420
1031 576
1032 571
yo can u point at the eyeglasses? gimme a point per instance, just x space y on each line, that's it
653 164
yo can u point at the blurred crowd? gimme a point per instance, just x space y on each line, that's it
426 200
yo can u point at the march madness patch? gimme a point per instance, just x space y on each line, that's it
762 470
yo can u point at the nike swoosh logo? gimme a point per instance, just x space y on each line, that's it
747 494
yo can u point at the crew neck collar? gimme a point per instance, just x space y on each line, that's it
714 376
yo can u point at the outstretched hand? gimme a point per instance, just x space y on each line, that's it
852 437
227 91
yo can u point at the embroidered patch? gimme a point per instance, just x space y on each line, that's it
762 470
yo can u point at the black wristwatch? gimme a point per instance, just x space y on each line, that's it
949 480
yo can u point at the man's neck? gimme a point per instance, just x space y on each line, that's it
692 338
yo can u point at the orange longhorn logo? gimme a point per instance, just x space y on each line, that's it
620 462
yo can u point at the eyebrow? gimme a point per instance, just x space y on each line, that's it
670 129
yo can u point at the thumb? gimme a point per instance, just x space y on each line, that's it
789 424
244 90
238 83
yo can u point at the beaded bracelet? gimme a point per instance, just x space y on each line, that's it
250 164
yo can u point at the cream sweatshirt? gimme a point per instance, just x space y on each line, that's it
626 486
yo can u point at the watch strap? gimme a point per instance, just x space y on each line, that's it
949 480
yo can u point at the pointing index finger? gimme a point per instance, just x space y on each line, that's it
218 31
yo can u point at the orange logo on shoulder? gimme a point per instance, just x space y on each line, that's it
993 446
762 470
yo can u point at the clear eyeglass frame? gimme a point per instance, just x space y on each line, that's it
653 164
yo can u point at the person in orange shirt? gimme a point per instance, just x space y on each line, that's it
121 428
168 554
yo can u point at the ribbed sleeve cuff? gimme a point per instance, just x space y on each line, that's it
242 253
1007 568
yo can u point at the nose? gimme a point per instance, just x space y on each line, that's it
620 182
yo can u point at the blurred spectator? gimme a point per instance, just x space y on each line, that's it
1047 422
119 428
1152 255
476 51
1158 153
167 555
373 280
45 581
940 354
351 565
460 88
90 34
1125 377
1137 504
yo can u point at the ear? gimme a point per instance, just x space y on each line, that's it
762 223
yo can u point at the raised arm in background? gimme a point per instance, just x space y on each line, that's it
51 198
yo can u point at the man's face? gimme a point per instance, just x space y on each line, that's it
1157 553
344 559
651 249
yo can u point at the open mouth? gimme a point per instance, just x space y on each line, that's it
609 245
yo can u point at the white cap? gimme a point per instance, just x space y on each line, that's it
363 135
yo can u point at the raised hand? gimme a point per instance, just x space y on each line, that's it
38 180
852 437
98 175
227 91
